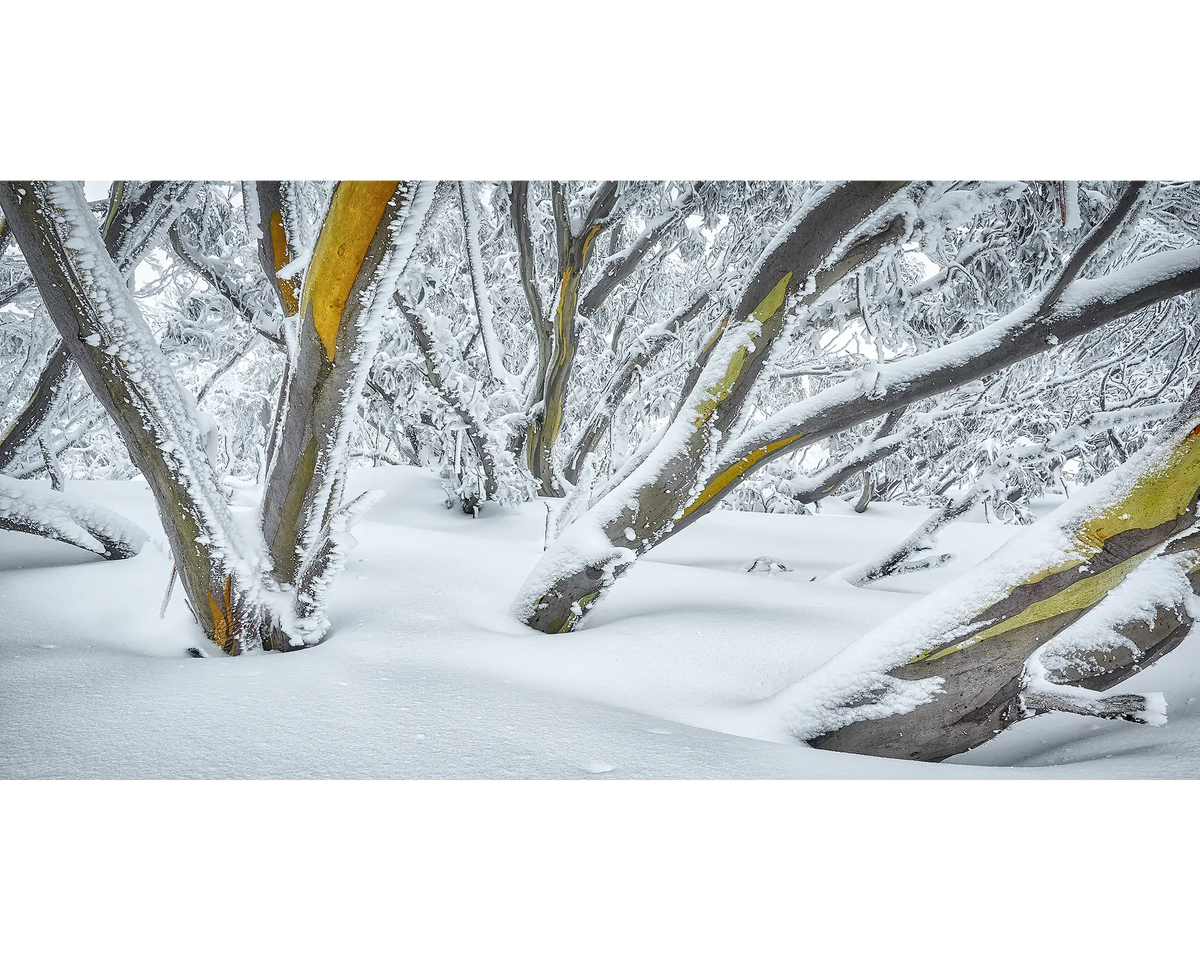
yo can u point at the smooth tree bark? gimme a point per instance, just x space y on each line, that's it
363 246
1074 604
558 338
667 493
136 216
241 598
849 220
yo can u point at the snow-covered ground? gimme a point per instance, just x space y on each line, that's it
427 676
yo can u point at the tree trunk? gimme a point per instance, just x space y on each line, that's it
602 544
137 214
556 356
103 329
369 230
962 665
238 599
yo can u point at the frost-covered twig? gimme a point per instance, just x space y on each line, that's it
325 561
217 276
897 560
639 355
443 378
1084 306
492 348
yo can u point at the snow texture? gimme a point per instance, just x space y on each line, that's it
29 506
673 677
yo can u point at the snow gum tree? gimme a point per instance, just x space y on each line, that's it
636 353
521 352
261 589
636 515
135 216
1073 605
711 447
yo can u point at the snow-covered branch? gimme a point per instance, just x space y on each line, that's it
28 508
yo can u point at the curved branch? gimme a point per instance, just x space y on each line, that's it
26 508
617 269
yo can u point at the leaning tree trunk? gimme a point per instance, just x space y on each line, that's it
972 659
102 327
685 477
631 519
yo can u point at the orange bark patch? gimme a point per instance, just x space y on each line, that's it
279 251
355 214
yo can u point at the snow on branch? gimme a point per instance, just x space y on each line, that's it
28 508
324 562
492 348
1084 306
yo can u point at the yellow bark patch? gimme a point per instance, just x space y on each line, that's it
1161 496
716 335
223 635
733 473
587 241
721 390
772 301
355 213
281 256
1080 595
566 289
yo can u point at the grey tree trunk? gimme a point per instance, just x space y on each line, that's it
639 512
239 597
976 670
